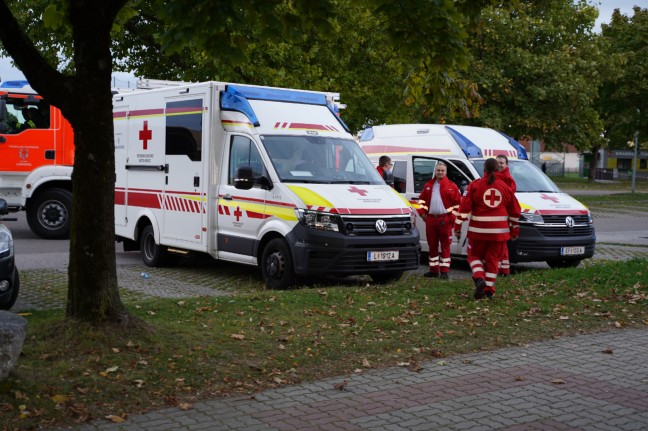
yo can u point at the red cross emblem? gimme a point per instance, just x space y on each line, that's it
238 213
492 197
145 135
361 192
549 198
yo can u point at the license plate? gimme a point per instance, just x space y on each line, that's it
381 256
571 251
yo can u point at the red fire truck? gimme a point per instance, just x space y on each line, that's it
36 158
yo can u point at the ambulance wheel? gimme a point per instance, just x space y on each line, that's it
11 300
277 266
49 213
567 263
386 277
154 254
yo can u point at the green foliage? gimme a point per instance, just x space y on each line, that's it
539 66
624 98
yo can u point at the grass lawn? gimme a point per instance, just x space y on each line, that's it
192 349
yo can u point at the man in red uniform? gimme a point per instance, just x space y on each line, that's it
504 174
438 205
494 218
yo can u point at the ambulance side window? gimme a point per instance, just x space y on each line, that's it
243 152
184 129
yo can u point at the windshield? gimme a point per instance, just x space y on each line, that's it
528 177
318 159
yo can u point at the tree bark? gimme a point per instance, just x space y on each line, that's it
85 99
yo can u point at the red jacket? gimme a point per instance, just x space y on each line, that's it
494 211
505 176
450 196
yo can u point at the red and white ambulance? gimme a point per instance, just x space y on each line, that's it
554 227
257 175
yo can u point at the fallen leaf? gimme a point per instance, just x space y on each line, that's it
115 419
341 386
558 382
519 378
365 363
238 336
112 369
115 350
608 351
139 383
185 406
60 399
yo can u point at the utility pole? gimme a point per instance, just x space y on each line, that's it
634 159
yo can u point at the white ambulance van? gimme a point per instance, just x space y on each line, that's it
554 227
257 175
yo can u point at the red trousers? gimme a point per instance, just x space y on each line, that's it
484 258
438 230
505 265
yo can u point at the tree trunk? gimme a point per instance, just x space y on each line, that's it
593 164
85 99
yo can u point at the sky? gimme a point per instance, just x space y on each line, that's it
606 7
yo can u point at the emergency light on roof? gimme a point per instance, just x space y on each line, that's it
467 146
232 100
522 154
278 95
14 84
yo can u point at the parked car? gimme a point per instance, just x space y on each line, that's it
9 278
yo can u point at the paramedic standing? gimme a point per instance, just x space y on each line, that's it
495 216
504 174
438 205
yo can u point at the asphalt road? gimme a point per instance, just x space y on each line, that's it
33 252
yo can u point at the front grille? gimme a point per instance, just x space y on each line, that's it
555 225
366 226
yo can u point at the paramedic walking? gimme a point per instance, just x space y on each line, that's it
438 205
504 174
495 215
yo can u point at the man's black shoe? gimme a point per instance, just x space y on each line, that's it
480 285
431 274
444 275
504 274
489 295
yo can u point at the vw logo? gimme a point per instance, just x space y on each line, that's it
381 226
569 221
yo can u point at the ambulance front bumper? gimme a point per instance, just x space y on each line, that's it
317 252
537 244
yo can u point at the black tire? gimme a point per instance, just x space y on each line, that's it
154 254
277 268
566 263
49 213
386 277
14 293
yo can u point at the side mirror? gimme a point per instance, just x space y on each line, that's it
244 179
3 207
463 187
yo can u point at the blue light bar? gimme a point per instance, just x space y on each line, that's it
336 113
231 100
467 146
522 154
14 84
278 95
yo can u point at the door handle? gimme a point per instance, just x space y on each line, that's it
227 197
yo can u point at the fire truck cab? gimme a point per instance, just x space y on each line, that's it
36 158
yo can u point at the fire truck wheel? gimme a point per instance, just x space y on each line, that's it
277 265
153 254
6 305
49 213
386 277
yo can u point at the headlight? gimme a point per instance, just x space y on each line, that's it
318 219
6 242
531 218
590 220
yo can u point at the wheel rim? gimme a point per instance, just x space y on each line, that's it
53 215
275 264
149 247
